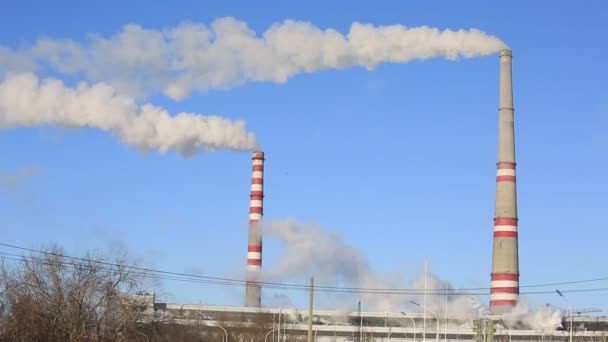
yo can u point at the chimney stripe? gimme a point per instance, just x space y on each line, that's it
505 228
254 255
506 165
505 234
505 276
514 289
254 248
504 283
499 221
505 178
255 262
505 172
503 296
503 302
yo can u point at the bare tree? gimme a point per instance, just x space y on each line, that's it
50 297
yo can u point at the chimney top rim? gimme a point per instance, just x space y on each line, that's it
506 52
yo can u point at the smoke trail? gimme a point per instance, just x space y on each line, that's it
28 101
311 250
308 249
541 318
195 57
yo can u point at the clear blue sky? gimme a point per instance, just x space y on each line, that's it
399 160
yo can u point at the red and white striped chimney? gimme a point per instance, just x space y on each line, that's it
505 262
253 292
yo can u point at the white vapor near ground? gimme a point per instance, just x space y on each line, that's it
539 318
27 101
310 250
197 57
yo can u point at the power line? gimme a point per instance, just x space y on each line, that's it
193 278
21 258
216 282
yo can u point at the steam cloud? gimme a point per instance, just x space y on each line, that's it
541 318
138 62
27 101
308 249
311 250
195 57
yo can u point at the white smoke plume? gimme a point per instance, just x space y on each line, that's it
542 318
27 101
196 57
310 250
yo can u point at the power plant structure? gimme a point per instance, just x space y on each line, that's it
347 326
253 290
504 291
290 324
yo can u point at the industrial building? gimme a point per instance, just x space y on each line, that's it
339 326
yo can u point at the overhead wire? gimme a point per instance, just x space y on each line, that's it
201 279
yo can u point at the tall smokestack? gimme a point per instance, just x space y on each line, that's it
253 292
505 263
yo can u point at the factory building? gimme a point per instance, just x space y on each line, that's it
288 324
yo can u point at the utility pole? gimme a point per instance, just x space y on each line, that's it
424 305
360 323
570 311
445 322
310 306
358 332
489 330
478 328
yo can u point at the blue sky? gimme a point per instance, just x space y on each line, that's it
400 160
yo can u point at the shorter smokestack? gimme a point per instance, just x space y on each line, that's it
253 294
